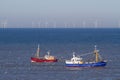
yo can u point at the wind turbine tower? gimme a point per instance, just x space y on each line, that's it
4 23
66 25
0 24
73 25
96 24
119 24
54 25
46 24
33 24
84 24
39 24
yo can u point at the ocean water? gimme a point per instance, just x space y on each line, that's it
18 45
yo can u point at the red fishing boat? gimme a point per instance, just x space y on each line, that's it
46 58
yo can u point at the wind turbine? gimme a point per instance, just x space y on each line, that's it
0 23
119 24
54 25
39 24
4 23
96 24
46 24
65 25
84 24
73 25
33 24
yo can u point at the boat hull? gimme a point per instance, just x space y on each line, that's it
98 64
33 59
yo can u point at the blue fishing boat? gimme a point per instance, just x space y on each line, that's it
79 62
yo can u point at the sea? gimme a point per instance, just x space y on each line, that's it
18 45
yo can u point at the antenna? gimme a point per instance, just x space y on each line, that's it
48 53
95 47
73 54
38 45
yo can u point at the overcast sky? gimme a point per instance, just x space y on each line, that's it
25 11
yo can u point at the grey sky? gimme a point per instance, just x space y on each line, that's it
58 10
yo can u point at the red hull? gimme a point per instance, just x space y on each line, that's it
33 59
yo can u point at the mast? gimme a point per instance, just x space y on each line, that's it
96 54
38 51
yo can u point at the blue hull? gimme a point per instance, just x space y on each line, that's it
98 64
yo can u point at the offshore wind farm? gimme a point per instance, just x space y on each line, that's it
59 14
62 24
